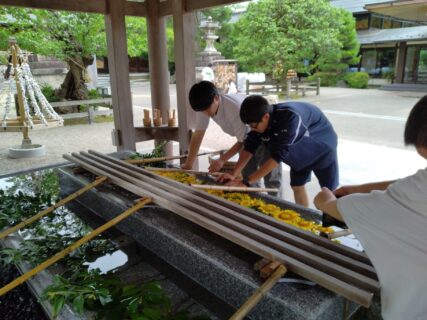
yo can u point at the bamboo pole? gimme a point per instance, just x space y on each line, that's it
74 246
236 189
259 293
341 233
60 203
183 171
150 160
219 221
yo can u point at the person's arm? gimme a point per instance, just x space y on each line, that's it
362 188
218 164
265 169
193 149
244 158
326 201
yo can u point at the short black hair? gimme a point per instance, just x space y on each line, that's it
253 108
416 125
202 95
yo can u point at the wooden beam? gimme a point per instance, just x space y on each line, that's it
137 9
165 8
119 75
151 133
92 6
192 5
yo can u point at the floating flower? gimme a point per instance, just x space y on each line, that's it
324 229
244 199
286 215
269 209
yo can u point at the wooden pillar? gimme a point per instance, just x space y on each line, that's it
400 62
158 59
184 30
158 62
118 62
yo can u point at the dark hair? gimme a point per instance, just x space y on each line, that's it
202 95
253 108
416 125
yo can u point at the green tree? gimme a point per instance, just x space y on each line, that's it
349 53
72 37
274 36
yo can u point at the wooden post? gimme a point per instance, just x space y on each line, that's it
259 293
91 115
400 62
26 138
247 87
159 68
118 63
73 247
184 25
317 86
288 88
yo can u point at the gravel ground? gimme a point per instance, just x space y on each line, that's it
18 304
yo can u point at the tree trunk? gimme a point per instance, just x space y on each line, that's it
73 87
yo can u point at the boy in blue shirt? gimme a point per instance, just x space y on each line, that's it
296 133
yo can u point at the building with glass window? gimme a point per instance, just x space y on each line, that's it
393 38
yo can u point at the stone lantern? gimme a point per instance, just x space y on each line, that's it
209 54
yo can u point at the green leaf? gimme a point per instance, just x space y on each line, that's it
57 304
153 314
78 304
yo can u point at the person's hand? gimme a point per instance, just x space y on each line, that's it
225 177
235 183
323 197
346 190
186 166
216 165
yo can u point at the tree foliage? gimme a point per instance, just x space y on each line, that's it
68 36
274 36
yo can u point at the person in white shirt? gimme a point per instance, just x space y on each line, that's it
224 109
390 220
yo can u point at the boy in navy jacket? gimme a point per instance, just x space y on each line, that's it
296 133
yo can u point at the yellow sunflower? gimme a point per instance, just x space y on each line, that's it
305 224
286 215
269 209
